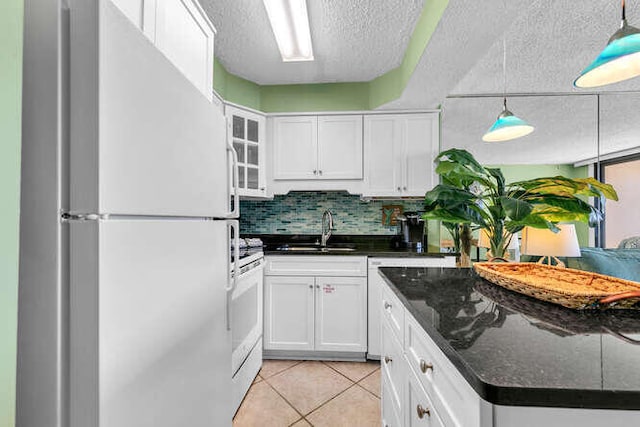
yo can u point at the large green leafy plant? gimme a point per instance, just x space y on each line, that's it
477 196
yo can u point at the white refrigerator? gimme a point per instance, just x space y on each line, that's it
148 228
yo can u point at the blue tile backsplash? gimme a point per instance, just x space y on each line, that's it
301 213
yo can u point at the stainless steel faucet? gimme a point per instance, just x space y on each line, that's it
326 232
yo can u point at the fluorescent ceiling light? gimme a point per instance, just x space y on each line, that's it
290 24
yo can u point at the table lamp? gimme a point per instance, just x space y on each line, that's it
550 245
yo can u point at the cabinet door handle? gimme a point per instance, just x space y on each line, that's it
422 411
315 172
399 189
387 306
317 286
320 172
388 360
404 188
424 366
310 286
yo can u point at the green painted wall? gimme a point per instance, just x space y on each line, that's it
334 96
10 125
315 97
235 89
390 86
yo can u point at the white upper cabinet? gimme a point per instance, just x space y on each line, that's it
422 145
295 142
248 137
317 147
399 152
340 147
185 35
181 30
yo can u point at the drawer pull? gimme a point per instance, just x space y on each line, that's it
424 366
387 306
422 412
387 360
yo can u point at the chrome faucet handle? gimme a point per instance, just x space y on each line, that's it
326 233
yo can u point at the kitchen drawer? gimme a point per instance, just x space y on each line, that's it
390 417
393 312
419 411
393 366
321 265
452 396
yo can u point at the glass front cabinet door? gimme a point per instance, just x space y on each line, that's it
247 133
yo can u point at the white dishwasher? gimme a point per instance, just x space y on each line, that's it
374 297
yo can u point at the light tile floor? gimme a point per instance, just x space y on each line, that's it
311 393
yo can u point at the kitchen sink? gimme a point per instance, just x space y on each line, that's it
314 249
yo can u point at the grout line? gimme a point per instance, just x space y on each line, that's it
319 406
355 382
334 369
377 397
286 400
369 391
334 397
285 369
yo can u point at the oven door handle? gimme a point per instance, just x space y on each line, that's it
233 269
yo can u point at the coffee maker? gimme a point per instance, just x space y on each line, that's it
412 230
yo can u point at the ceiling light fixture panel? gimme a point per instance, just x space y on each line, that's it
290 24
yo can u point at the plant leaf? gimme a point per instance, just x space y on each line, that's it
515 209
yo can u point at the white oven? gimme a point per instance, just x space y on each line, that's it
246 325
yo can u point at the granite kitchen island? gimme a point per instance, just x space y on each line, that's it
483 355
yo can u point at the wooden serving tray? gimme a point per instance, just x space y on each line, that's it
564 286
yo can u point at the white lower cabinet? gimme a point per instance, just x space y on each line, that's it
390 415
374 295
419 408
289 313
392 367
423 387
317 312
341 314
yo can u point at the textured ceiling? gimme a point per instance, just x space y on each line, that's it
464 35
353 40
547 47
548 43
566 128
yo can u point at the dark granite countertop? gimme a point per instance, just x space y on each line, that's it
361 245
516 350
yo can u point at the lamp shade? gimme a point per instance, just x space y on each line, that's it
484 242
507 127
483 239
544 242
619 61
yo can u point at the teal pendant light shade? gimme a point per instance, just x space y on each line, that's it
507 127
619 61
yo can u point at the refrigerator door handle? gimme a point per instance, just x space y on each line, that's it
235 211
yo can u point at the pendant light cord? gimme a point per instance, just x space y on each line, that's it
504 62
504 70
624 16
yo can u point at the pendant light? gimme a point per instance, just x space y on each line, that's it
507 126
619 61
